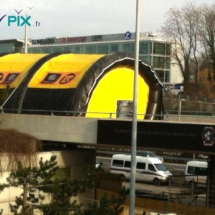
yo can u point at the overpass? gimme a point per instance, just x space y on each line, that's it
66 132
82 130
70 131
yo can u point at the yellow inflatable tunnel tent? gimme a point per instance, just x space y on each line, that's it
85 85
13 68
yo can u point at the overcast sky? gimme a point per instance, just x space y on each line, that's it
60 18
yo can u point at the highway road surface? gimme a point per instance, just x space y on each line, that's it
169 192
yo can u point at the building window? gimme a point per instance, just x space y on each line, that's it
18 47
114 47
6 47
164 76
167 79
128 47
167 65
102 49
144 48
168 49
46 50
159 62
160 74
55 49
66 49
91 49
35 50
146 59
151 47
79 49
159 48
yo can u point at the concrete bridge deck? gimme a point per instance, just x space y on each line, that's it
73 129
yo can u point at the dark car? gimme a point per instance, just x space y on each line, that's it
149 154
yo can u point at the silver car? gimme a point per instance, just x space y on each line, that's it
149 154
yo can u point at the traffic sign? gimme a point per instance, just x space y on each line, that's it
128 35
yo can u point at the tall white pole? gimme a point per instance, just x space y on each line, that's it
152 60
179 109
134 119
26 35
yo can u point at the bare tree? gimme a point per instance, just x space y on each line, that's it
181 27
16 146
207 34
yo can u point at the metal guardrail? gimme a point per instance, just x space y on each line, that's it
189 98
186 105
167 114
174 105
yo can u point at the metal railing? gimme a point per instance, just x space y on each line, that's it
191 191
168 115
188 98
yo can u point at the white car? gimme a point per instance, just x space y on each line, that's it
97 164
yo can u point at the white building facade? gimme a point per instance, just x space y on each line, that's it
153 51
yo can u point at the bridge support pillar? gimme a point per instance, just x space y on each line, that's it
78 159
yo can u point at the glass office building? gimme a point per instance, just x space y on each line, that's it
153 51
9 46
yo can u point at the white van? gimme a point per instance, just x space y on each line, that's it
196 171
148 169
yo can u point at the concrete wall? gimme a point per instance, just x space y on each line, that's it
58 128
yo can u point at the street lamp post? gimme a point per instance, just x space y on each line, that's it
134 119
152 60
26 35
179 109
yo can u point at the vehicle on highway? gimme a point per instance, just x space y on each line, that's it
149 154
97 164
148 169
196 171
